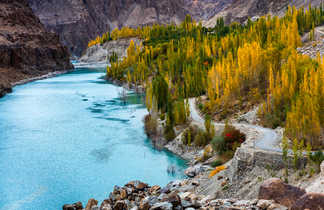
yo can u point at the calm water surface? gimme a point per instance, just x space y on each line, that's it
70 138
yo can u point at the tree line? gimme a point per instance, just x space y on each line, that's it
227 63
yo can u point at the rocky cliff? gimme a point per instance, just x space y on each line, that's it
77 21
100 54
26 48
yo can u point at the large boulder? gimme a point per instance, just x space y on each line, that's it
75 206
120 205
282 193
91 203
313 201
105 205
194 170
137 185
174 199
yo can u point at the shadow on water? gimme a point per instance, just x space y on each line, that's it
101 154
113 119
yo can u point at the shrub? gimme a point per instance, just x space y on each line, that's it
218 144
188 135
216 163
162 116
317 157
200 106
169 134
113 58
210 128
150 125
233 137
229 154
200 138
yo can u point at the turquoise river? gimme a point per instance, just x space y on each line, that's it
71 138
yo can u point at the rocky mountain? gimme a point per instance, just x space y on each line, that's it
26 48
240 10
78 21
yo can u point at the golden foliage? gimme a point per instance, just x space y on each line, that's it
216 170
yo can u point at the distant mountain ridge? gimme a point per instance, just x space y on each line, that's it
240 10
78 21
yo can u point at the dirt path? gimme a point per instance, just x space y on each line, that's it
267 140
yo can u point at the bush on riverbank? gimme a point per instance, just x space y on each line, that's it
197 137
150 125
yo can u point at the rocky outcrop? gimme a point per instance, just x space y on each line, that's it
138 195
275 189
290 196
26 48
5 86
101 53
313 201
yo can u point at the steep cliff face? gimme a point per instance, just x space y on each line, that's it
26 48
78 21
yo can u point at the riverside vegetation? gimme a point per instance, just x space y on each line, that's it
236 67
256 62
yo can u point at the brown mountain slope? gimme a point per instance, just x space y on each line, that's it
78 21
26 48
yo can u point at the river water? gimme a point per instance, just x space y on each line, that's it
71 138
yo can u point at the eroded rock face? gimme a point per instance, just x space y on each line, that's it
314 201
102 53
77 21
26 48
282 193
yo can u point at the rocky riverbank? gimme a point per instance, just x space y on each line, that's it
236 187
136 195
274 194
